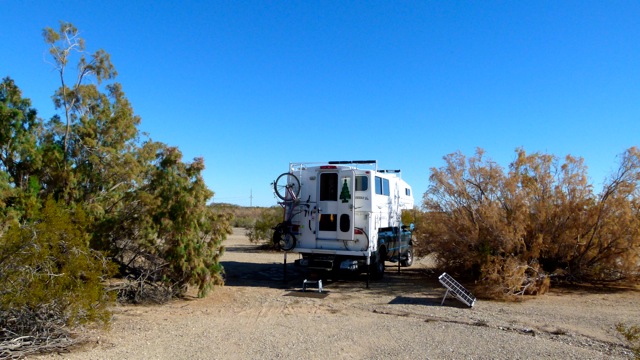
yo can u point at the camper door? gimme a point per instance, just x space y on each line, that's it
335 201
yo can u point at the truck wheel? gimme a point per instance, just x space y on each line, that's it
377 266
408 261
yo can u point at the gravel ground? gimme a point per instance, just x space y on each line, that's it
259 315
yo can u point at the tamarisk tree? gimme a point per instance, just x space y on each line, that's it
511 229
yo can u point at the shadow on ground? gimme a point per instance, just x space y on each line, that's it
427 301
273 275
413 283
417 284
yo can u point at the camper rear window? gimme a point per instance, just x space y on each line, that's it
362 183
328 187
382 186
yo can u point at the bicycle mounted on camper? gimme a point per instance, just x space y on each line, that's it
287 188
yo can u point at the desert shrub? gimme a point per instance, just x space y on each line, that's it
242 216
50 280
511 229
262 230
148 206
507 278
243 222
165 232
188 235
115 193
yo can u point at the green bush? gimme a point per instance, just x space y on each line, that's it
49 277
119 193
244 222
262 230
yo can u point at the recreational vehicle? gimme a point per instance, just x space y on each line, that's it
344 215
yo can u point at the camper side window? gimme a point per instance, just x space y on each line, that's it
382 186
362 183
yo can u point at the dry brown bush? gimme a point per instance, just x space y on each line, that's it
511 230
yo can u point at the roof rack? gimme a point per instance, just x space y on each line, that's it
340 162
370 164
297 166
389 171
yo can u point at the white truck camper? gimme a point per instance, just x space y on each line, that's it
344 215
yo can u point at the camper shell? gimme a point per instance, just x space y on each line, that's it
347 216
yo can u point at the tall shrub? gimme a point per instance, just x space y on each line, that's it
511 229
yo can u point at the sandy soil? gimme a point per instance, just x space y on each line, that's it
259 315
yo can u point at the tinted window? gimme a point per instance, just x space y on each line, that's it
345 223
328 222
382 186
329 187
362 183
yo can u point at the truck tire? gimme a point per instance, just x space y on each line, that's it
408 260
377 265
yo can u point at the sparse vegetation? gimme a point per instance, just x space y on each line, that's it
631 333
242 217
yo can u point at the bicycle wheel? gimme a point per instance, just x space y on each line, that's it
276 238
287 241
287 186
282 238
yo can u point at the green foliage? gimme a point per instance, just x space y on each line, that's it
20 157
188 235
511 229
408 216
94 128
632 334
47 264
108 191
262 230
148 207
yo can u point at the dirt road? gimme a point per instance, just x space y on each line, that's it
258 315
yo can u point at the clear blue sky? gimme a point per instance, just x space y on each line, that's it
253 85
